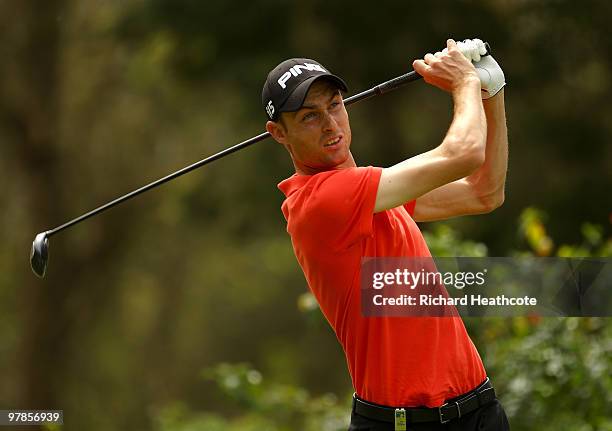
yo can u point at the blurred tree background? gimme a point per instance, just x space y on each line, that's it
185 308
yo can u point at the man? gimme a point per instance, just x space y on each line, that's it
416 373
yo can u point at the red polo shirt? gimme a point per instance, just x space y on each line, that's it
394 361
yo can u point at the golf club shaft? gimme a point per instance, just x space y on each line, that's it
160 181
374 91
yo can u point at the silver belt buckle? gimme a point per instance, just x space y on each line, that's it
442 421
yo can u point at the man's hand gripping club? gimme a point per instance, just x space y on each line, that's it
491 75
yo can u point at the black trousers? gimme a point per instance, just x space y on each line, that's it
490 417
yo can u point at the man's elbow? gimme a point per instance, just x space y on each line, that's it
491 202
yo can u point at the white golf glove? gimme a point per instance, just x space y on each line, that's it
490 73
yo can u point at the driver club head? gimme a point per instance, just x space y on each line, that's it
39 255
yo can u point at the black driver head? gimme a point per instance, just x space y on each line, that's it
40 254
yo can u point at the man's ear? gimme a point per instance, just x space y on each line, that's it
277 131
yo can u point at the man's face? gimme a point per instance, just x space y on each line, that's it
318 136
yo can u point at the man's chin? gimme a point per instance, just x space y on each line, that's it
342 160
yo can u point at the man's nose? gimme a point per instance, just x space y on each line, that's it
329 122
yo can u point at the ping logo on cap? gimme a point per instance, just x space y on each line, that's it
287 84
297 70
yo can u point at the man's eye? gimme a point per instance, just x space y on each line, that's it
309 116
335 104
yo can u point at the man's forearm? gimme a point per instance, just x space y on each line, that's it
468 129
490 178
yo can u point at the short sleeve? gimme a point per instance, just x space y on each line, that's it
410 207
339 209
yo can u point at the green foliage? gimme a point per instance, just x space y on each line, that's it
258 405
533 231
555 373
443 241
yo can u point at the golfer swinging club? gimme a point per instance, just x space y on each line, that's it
415 373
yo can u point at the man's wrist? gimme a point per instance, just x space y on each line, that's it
469 83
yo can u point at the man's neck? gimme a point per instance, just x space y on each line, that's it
301 169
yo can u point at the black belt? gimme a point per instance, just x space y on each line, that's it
452 409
